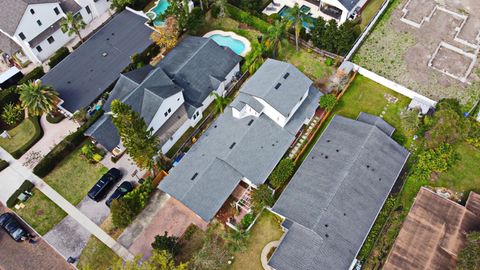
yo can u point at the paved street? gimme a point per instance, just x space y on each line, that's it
25 256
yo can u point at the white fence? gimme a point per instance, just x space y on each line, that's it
393 85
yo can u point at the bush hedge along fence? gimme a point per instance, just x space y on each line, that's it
38 134
58 56
35 74
247 18
26 186
64 148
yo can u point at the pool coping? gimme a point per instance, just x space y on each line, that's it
233 35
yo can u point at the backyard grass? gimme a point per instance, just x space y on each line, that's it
310 63
369 11
96 255
228 24
20 135
190 244
266 229
74 177
41 213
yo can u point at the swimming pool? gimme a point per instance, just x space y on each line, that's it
155 13
236 43
306 23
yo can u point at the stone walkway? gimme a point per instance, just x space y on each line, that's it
66 206
265 252
52 135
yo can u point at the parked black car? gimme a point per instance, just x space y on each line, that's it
121 190
104 184
11 225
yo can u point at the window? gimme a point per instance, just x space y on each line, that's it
39 49
169 110
32 11
194 116
50 40
198 113
278 85
286 75
39 23
87 8
22 36
166 114
56 11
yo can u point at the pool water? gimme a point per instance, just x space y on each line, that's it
307 24
159 9
236 45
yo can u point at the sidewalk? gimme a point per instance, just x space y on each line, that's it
70 209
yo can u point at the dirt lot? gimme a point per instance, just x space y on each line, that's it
429 46
23 255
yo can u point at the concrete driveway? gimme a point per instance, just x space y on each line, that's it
164 214
25 256
10 181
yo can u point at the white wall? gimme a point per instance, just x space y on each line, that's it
173 103
168 144
43 12
246 111
271 112
48 49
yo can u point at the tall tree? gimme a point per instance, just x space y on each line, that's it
262 197
141 143
220 102
166 36
298 16
178 9
168 243
121 4
37 98
276 33
254 59
72 25
222 8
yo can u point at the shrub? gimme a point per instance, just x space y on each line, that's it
282 173
215 11
447 127
247 220
261 197
246 18
328 102
12 114
35 74
143 58
329 62
167 243
54 119
58 56
195 19
3 164
64 148
38 134
8 96
434 160
122 213
26 186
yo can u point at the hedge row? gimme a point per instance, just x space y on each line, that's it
64 148
38 134
3 164
58 56
141 59
26 186
55 118
35 74
247 18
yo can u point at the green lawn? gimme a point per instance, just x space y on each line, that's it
369 11
228 24
74 177
41 213
20 135
266 229
310 63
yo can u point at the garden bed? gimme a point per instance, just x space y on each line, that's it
23 137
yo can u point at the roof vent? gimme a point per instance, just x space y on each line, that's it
337 150
326 235
326 157
69 82
108 38
368 166
326 225
273 144
344 214
278 85
104 54
286 75
113 34
313 157
215 126
379 179
194 176
250 122
231 146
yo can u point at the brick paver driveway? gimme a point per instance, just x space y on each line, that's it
20 256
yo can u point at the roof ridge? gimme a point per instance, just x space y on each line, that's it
192 56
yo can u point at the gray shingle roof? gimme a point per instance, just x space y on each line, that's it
376 121
349 4
85 74
272 84
251 146
146 88
11 12
334 197
197 66
7 45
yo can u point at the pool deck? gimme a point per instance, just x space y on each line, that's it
233 35
277 5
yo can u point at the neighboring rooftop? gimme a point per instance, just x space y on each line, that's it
279 84
434 232
334 197
88 71
145 89
349 4
376 121
249 147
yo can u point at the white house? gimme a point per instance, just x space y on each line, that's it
32 27
171 97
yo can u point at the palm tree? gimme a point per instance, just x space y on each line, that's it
298 17
255 58
72 25
276 33
37 99
220 102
